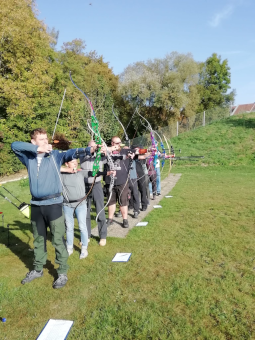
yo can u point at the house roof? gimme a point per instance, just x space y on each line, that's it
243 108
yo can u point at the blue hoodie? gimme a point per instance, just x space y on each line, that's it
46 181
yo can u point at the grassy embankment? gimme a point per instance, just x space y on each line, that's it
191 274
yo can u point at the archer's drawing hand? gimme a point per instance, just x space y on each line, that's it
112 172
44 148
131 155
113 148
94 148
103 149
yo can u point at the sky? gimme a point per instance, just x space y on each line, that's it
127 31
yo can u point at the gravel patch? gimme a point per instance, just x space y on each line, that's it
116 229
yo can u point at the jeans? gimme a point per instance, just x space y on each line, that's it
157 181
81 214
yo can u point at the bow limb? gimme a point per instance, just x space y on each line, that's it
131 117
94 123
170 165
163 149
153 156
112 167
53 158
125 133
86 97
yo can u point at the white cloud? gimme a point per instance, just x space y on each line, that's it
223 14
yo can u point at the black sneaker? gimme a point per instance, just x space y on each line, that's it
118 214
136 213
144 209
125 224
60 282
31 276
109 222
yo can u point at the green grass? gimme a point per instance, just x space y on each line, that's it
228 142
191 274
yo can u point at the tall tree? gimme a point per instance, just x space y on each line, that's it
96 79
214 82
29 75
33 77
163 87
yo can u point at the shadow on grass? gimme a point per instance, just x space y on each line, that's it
248 123
22 249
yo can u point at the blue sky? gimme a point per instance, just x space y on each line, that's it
126 31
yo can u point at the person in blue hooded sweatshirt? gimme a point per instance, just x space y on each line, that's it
43 165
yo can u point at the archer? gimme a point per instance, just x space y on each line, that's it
43 165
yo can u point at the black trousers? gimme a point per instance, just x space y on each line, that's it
143 185
97 196
134 200
153 180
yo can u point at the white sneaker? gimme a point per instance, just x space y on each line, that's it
102 242
70 251
84 253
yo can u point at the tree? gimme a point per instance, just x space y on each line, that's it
96 79
162 87
54 34
33 77
214 82
76 46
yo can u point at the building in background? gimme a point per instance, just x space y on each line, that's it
235 110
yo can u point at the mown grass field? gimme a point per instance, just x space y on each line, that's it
192 270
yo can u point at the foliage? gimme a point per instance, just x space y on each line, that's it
53 33
33 77
214 83
162 88
95 78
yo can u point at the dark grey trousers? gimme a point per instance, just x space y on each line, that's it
134 200
143 186
97 196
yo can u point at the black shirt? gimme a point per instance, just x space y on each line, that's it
122 174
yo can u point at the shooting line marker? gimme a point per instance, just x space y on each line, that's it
141 224
121 257
55 330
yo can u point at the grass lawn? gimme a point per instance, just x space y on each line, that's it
192 270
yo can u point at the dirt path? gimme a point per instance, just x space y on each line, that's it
15 177
116 229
